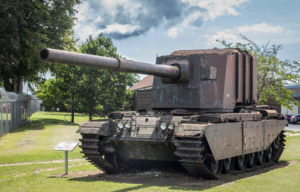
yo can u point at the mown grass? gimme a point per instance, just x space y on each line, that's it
61 117
35 142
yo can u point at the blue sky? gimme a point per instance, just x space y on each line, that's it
143 29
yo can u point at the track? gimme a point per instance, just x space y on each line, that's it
90 149
192 159
190 151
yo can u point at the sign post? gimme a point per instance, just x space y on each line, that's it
66 146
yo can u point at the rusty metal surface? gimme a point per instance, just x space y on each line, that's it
253 136
113 64
268 113
272 130
225 139
218 118
208 73
142 99
104 127
189 129
204 51
218 79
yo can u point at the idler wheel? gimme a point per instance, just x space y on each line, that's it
214 166
261 158
269 154
252 160
228 165
241 162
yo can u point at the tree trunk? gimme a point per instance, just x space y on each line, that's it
20 86
72 111
7 84
16 86
90 116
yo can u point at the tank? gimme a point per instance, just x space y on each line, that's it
204 115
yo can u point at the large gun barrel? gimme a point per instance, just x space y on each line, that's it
108 63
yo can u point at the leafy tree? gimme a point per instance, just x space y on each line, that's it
25 27
52 96
272 73
93 91
103 90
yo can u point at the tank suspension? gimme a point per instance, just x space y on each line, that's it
195 159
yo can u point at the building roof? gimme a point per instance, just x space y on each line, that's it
146 82
291 86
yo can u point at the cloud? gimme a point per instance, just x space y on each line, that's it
262 27
173 32
216 8
221 35
121 19
232 35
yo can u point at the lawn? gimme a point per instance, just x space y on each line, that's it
34 142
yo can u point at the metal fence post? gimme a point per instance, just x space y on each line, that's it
2 118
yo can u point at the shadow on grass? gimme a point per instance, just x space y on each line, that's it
63 114
175 181
40 125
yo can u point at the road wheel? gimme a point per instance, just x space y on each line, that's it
269 154
261 160
252 160
241 162
214 166
228 165
298 123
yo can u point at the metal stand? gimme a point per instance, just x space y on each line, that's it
66 162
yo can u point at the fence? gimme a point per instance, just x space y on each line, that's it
16 109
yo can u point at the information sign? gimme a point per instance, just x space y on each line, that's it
66 146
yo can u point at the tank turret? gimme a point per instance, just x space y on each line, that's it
216 80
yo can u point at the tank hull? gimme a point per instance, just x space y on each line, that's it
198 142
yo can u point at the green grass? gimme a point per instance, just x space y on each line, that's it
51 117
35 142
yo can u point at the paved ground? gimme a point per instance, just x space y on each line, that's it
292 127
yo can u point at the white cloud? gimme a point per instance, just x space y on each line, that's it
126 18
232 35
221 35
117 28
173 32
216 8
262 27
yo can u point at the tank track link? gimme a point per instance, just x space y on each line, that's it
192 158
90 149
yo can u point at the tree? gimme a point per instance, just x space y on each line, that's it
103 90
93 91
272 74
52 96
25 27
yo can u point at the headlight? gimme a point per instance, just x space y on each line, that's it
127 125
163 126
171 126
120 125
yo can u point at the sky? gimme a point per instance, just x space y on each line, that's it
143 29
